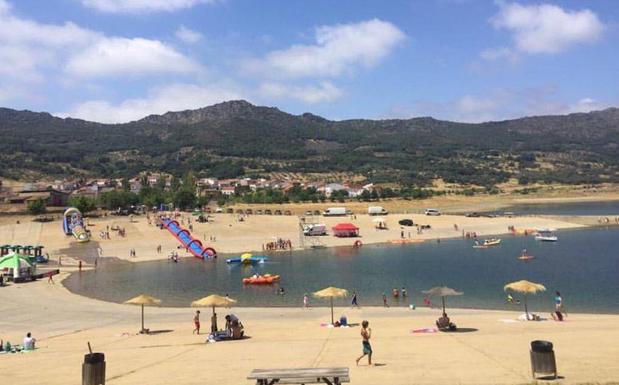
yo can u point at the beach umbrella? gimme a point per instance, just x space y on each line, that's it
331 292
441 291
525 287
213 301
143 300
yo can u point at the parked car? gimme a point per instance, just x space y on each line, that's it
249 211
268 212
278 212
406 222
316 212
258 212
308 212
287 212
230 211
432 212
473 215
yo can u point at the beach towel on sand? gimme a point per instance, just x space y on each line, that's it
424 331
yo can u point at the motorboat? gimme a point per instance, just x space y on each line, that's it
487 243
546 236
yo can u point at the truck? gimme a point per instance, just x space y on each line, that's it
377 210
335 211
315 229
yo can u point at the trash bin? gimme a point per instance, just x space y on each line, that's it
93 369
543 359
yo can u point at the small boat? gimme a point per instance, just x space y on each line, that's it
546 236
525 257
487 243
247 259
265 279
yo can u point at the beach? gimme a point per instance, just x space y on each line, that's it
491 342
228 234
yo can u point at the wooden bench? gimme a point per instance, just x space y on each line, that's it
330 376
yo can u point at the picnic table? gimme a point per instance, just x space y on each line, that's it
330 376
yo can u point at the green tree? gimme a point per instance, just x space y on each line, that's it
184 199
37 207
83 203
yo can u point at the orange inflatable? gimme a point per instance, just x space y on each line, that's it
261 279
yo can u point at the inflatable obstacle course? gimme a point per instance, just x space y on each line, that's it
193 245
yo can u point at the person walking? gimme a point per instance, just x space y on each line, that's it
366 334
354 302
196 322
558 314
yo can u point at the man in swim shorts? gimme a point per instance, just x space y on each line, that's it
366 334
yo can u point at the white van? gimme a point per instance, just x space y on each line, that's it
432 212
335 211
377 210
314 230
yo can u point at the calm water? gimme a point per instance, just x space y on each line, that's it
604 209
583 265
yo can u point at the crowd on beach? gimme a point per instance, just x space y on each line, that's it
233 329
279 244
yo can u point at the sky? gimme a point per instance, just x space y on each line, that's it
464 60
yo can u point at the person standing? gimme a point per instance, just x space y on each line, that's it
366 334
196 322
214 328
558 314
385 304
305 301
354 302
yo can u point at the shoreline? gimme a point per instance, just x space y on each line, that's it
490 340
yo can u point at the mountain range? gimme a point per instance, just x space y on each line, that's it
237 138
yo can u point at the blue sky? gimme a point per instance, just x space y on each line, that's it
465 60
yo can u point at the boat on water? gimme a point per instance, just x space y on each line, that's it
487 243
525 256
546 235
247 259
265 279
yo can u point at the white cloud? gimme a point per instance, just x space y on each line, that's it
30 48
338 49
498 105
142 6
546 28
174 97
188 35
116 56
323 92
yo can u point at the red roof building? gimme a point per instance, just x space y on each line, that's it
345 230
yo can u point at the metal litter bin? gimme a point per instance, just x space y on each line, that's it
93 369
543 359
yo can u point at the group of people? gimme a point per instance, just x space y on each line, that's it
558 314
132 253
28 344
280 244
234 328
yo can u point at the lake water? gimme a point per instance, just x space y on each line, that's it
583 265
604 209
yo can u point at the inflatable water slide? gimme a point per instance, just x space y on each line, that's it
193 245
73 224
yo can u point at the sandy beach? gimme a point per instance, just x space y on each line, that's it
491 342
233 236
